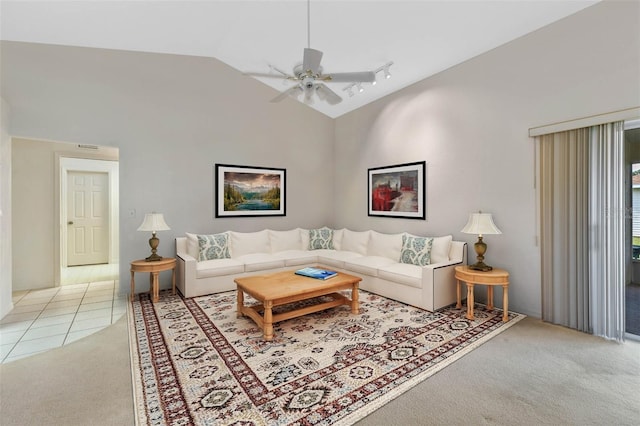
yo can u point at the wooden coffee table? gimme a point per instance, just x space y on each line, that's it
285 287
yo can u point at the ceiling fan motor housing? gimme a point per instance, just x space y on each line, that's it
308 82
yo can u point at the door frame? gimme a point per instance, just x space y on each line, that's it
69 162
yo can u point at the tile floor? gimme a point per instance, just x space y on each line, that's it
89 273
53 317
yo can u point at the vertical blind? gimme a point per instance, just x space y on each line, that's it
582 229
564 224
607 216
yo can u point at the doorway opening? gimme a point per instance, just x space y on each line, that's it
632 287
89 221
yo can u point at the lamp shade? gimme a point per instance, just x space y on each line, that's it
154 222
480 224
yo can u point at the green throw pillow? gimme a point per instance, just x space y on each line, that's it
320 239
213 247
416 250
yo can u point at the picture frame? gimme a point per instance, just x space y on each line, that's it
398 191
246 191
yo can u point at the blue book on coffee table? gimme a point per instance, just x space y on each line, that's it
321 274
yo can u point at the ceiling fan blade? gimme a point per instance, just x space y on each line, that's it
327 94
292 91
350 77
280 74
284 74
264 74
311 60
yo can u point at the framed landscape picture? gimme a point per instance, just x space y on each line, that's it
398 191
249 191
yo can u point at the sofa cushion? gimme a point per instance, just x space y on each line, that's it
304 236
402 273
285 240
215 246
260 261
386 245
337 239
440 249
355 241
218 267
320 238
297 257
368 264
193 247
242 243
416 250
334 257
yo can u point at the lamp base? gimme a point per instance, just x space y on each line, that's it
480 266
481 248
153 243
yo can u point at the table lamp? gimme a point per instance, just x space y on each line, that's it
481 224
154 222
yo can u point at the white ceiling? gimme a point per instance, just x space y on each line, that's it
420 37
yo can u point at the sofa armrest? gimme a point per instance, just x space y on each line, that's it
187 257
185 268
439 284
458 251
447 264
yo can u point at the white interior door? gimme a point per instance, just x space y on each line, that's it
87 218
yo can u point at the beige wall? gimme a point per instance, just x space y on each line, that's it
170 131
6 303
34 176
470 123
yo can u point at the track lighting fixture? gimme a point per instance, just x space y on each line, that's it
358 85
385 69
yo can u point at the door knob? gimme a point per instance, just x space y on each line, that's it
70 222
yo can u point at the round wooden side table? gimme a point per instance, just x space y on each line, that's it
154 268
490 279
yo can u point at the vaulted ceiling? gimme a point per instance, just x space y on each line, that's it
421 38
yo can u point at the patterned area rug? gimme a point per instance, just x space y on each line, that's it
195 363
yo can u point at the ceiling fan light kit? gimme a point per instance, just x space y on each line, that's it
310 78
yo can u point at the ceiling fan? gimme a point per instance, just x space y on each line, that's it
310 78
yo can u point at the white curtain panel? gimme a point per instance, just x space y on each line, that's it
607 223
582 229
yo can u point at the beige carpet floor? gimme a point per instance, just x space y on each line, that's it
532 374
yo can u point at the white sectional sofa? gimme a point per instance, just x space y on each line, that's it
368 254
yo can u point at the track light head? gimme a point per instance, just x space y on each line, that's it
387 74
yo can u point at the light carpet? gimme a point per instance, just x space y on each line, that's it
195 362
